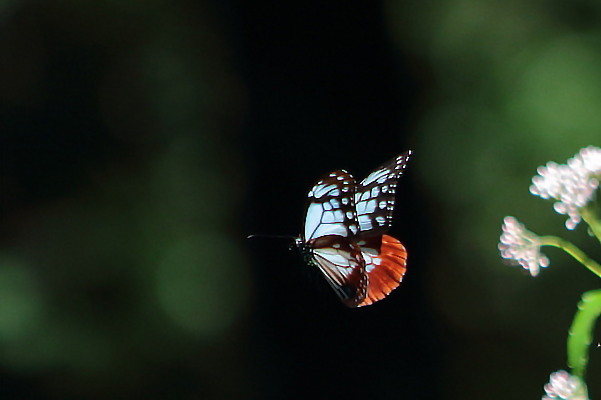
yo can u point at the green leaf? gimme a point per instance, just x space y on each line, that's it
580 335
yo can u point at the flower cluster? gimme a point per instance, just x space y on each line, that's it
520 246
573 185
563 386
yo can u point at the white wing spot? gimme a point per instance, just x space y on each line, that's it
377 260
360 207
349 214
328 217
382 204
353 229
336 245
339 215
313 220
369 252
365 222
381 220
376 175
385 189
333 175
340 177
370 207
320 189
345 200
335 257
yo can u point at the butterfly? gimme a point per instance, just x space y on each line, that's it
345 236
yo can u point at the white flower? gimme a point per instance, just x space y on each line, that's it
573 185
521 246
564 386
591 159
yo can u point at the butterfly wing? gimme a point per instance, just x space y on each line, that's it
330 234
385 257
342 263
374 198
331 209
344 233
385 264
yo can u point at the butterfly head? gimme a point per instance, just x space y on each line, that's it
305 250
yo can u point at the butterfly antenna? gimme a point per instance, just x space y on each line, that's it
259 236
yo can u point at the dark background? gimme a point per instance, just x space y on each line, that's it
327 91
140 143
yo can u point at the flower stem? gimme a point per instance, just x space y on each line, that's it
572 250
581 331
589 215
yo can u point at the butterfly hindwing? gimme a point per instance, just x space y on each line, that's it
342 263
385 265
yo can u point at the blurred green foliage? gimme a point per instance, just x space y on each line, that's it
508 87
122 272
129 280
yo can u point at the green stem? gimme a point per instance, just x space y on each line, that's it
581 331
589 215
572 250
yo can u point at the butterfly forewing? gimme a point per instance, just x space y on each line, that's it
331 208
375 196
330 232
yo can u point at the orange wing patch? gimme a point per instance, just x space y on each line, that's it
385 270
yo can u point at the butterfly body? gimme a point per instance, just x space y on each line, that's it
344 233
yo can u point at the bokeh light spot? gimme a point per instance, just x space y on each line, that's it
202 284
558 94
20 304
